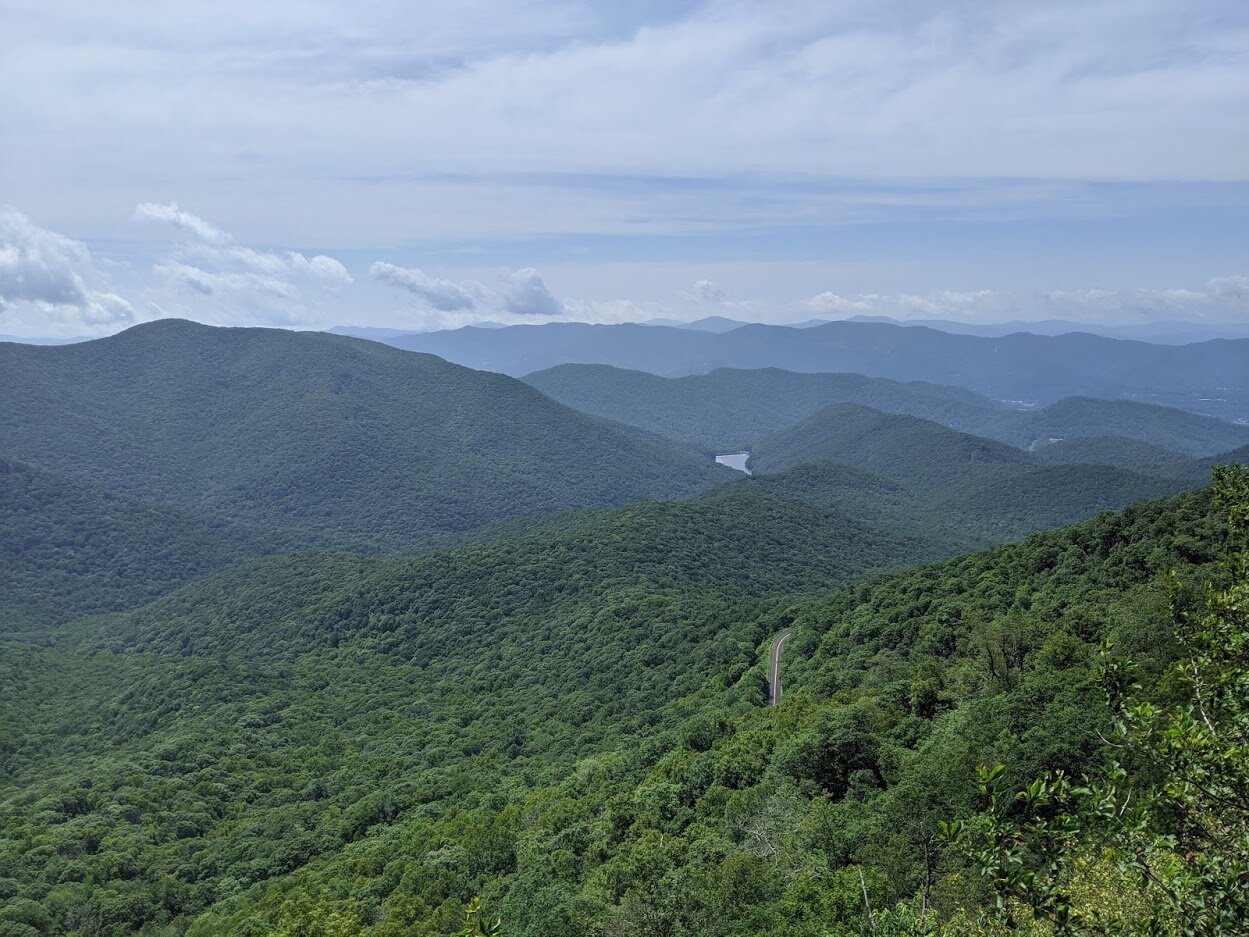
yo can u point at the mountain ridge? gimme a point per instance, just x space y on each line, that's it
339 441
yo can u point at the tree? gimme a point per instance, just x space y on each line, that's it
1185 839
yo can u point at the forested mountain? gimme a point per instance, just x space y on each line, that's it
570 725
730 409
1173 429
903 448
564 714
1206 377
326 440
69 549
968 490
1128 454
1164 332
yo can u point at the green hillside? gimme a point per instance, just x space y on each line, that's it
900 448
1177 430
570 726
329 440
729 409
901 473
1123 453
559 643
69 549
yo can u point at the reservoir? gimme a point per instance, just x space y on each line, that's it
735 460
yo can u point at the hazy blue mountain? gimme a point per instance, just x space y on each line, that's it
370 332
705 324
1168 427
1207 377
732 408
1125 454
1166 332
335 440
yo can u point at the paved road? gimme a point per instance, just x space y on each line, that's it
774 669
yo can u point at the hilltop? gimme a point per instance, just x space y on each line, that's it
324 439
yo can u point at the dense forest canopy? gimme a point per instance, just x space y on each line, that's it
325 440
382 641
578 736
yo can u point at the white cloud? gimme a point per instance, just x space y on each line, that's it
38 265
524 294
266 285
519 292
972 305
216 284
320 266
49 272
1223 299
830 303
192 224
437 292
349 119
1234 289
704 291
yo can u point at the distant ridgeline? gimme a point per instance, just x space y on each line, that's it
224 711
1209 377
729 408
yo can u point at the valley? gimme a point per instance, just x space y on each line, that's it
394 635
573 469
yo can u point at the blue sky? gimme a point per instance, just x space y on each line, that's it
424 165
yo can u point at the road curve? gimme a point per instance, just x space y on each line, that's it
774 668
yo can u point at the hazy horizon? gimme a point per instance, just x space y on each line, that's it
309 166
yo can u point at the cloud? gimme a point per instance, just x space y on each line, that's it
208 263
320 266
38 265
50 271
207 283
830 303
1234 289
705 291
519 292
1221 299
524 294
210 242
437 292
192 224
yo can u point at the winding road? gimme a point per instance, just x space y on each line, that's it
774 668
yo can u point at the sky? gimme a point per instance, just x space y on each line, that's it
309 164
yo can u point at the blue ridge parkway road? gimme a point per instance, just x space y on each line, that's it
774 668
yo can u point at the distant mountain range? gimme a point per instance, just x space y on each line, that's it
1207 377
730 409
1165 332
1162 332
